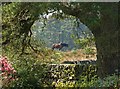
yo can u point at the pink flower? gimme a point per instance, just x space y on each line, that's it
6 69
14 71
2 69
5 65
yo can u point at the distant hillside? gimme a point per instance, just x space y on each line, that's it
60 31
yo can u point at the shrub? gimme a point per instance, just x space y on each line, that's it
89 51
8 73
29 72
109 81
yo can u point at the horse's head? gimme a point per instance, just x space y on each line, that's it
53 46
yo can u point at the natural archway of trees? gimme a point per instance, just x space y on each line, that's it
101 18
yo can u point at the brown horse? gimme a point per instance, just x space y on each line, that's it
59 46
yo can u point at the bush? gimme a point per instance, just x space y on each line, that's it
109 81
29 72
89 51
33 74
8 73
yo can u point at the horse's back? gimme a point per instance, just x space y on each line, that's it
64 44
59 46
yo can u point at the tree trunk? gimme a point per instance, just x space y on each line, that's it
106 36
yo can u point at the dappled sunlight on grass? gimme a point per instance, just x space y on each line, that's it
77 55
50 56
56 56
